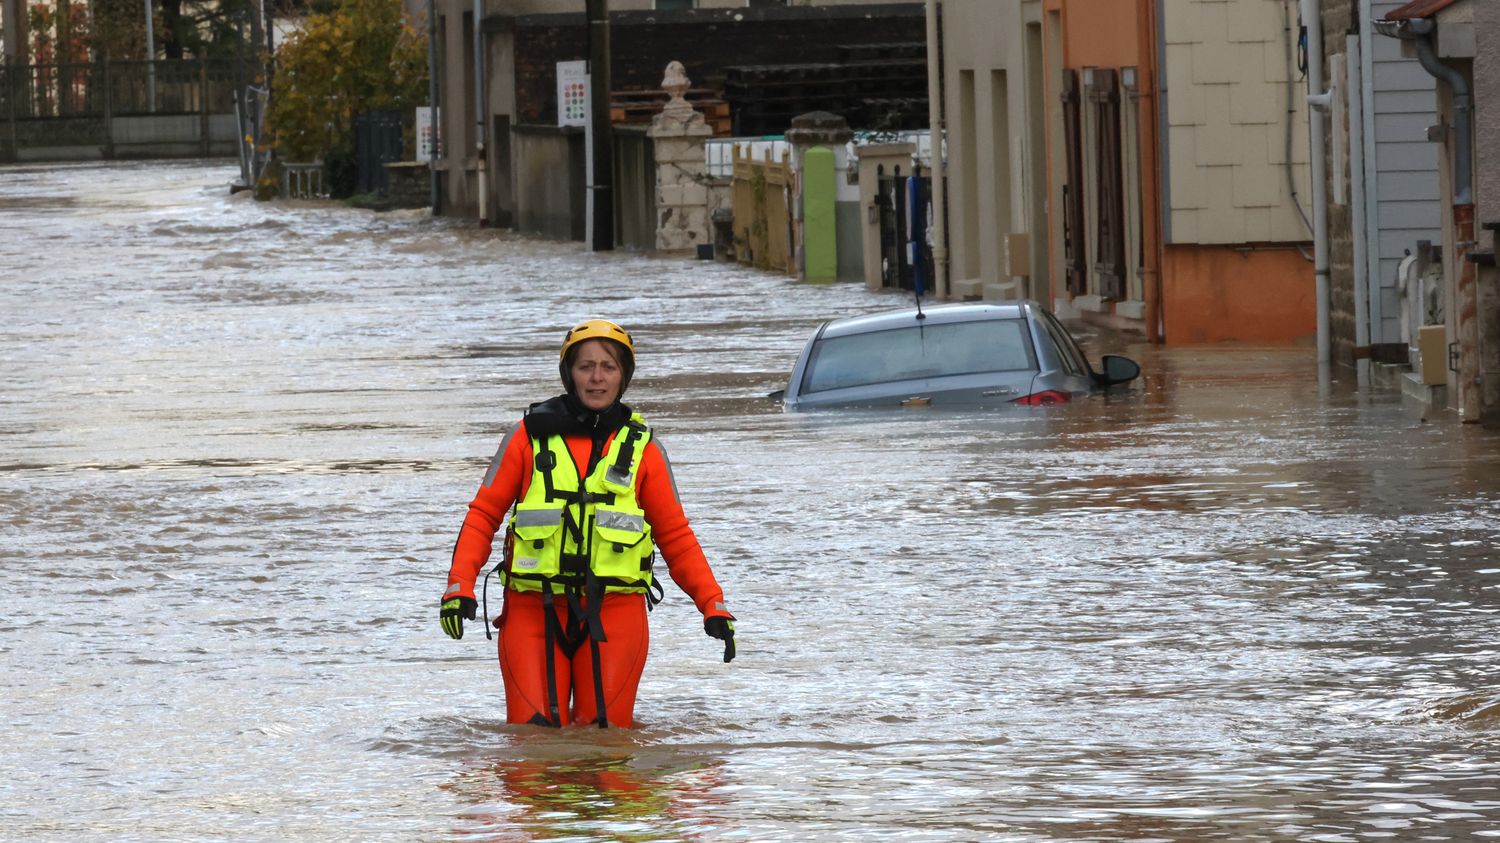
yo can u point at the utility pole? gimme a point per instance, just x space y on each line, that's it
600 135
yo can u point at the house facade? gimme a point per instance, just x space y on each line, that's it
1134 162
1446 37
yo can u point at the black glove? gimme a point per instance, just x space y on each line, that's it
453 612
721 628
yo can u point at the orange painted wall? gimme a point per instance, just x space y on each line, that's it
1218 293
1103 33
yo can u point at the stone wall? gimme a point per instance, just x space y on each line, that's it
1338 17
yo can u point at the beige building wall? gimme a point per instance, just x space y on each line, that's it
1231 77
995 117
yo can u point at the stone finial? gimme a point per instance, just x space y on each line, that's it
676 83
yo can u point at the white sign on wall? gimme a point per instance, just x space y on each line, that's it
429 142
572 93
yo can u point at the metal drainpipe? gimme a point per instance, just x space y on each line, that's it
1419 31
1317 99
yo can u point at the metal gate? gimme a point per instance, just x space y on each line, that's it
377 139
896 230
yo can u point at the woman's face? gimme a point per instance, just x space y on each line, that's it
596 374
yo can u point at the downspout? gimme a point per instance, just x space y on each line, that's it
1148 146
432 101
938 167
1163 163
1370 257
479 117
1318 99
1419 32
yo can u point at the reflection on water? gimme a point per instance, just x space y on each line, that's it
236 439
587 791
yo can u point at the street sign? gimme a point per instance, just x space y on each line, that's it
429 140
572 93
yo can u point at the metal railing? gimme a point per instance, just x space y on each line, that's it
120 88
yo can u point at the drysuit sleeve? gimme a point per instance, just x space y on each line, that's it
657 491
509 469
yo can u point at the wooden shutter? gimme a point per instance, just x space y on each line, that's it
1075 261
1109 256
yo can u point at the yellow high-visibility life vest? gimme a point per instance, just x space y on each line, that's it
564 533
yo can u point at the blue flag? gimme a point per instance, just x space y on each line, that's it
916 229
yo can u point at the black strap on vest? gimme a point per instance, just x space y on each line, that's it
596 635
627 449
549 641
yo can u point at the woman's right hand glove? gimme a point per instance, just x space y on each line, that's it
453 612
722 628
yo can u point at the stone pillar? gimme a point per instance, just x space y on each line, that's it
816 128
681 172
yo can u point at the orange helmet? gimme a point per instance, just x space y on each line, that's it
597 329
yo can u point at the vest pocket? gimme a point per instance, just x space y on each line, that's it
619 526
537 543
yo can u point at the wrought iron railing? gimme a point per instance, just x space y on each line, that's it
120 88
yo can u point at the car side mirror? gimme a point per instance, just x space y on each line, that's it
1118 369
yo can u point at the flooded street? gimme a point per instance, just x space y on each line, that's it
237 441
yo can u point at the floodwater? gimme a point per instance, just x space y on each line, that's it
237 441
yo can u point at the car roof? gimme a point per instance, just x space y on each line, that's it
943 314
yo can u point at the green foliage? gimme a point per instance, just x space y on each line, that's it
209 28
119 29
365 55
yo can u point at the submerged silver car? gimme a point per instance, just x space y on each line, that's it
956 354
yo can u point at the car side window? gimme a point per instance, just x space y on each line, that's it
1067 350
963 348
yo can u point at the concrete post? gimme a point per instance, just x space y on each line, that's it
677 133
1486 91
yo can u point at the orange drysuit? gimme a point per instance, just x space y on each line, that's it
622 656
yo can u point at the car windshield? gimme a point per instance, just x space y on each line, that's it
963 348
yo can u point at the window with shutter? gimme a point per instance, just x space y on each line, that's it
1075 260
1110 193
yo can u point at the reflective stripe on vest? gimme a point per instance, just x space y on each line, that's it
562 532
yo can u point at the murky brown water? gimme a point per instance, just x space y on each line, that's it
237 440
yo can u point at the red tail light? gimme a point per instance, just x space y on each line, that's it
1045 398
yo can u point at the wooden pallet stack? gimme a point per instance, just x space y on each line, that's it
636 107
874 86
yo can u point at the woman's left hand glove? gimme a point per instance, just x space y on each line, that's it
722 628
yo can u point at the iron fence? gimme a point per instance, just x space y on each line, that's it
120 88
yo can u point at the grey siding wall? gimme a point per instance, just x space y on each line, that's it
1403 204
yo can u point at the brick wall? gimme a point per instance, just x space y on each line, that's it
641 45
